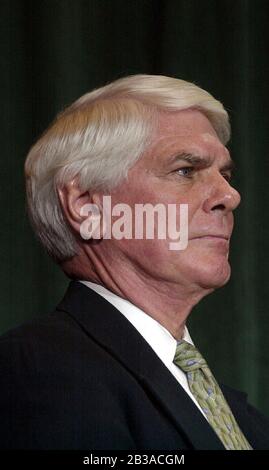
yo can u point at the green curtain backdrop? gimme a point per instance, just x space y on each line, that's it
52 51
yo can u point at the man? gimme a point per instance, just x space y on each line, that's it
114 366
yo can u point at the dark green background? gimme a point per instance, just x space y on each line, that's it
54 51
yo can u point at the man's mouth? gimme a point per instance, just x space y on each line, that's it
211 236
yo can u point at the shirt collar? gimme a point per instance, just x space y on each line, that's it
156 335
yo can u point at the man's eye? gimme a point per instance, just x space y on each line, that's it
186 171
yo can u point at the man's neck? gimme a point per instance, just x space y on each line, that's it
168 303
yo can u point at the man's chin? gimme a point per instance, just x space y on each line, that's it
216 277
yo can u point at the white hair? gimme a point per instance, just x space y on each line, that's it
98 139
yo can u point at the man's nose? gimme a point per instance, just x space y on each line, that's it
222 197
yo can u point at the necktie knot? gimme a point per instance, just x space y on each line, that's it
188 358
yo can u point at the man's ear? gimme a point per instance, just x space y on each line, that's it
74 201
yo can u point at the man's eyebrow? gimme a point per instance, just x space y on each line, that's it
196 160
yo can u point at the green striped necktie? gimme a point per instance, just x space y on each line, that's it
209 396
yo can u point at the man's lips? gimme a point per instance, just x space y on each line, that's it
211 235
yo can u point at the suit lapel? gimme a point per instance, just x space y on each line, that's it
113 332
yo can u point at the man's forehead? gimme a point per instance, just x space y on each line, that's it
198 141
166 149
187 131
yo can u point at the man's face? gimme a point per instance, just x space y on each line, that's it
186 164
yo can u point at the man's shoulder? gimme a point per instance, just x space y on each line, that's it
55 329
47 344
60 344
53 372
54 354
41 330
33 343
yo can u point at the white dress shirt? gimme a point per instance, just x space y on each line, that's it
158 337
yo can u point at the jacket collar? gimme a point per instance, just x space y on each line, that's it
113 332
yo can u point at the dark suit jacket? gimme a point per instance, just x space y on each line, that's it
84 378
